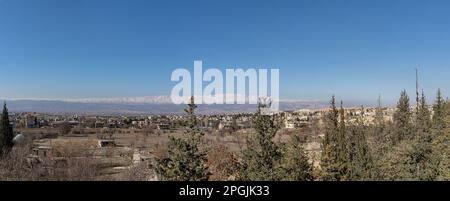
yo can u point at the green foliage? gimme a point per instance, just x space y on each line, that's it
439 116
359 156
6 131
423 120
418 151
334 154
379 135
442 152
265 160
402 119
441 142
409 161
392 165
262 157
421 159
185 160
422 163
342 145
418 154
295 164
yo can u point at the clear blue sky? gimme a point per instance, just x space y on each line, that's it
354 49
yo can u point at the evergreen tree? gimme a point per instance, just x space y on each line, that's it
423 119
295 164
422 163
331 161
402 119
443 153
412 157
441 137
360 158
439 115
380 144
262 157
342 144
6 131
185 160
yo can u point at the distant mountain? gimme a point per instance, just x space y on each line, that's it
140 106
125 100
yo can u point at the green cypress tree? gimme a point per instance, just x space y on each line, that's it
423 119
295 164
262 157
425 166
359 156
441 136
439 115
185 160
329 161
380 145
342 145
6 131
402 119
422 163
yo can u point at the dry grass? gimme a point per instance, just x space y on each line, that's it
17 165
222 164
78 157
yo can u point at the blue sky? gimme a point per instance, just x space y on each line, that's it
355 49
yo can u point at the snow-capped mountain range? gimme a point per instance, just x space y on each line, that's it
124 100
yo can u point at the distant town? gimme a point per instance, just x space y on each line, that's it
291 120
